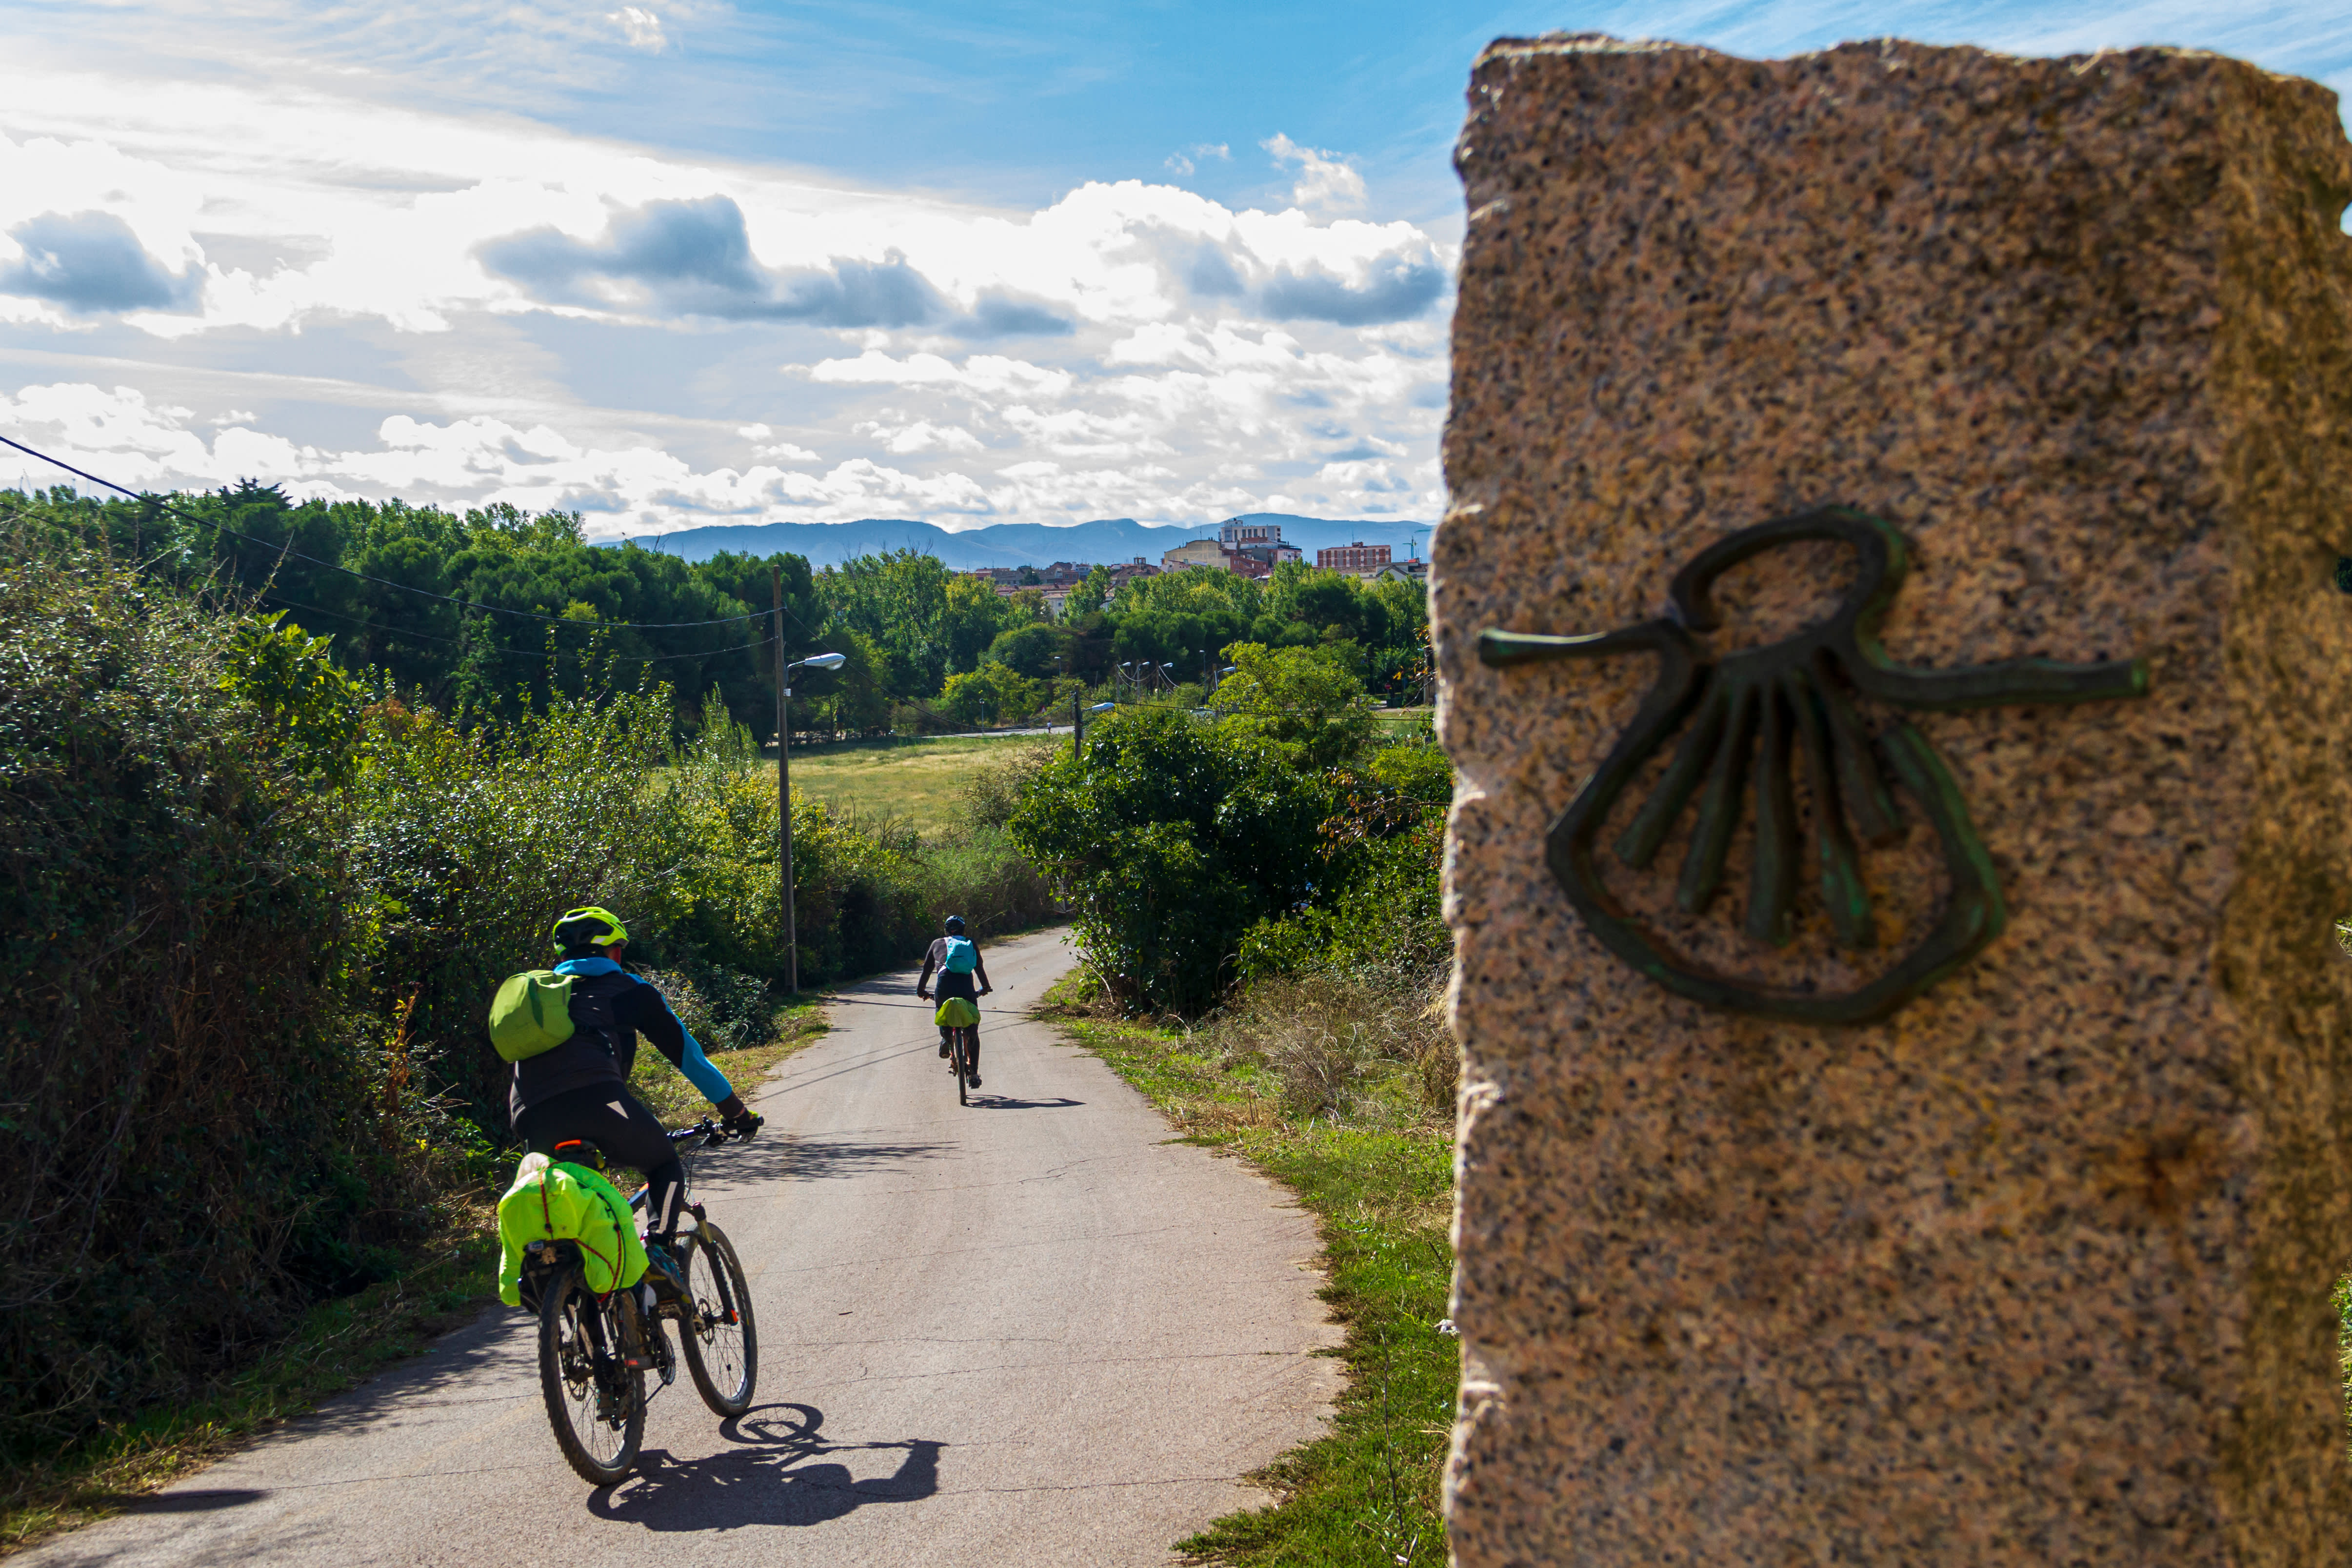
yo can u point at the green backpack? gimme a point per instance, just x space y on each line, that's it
531 1014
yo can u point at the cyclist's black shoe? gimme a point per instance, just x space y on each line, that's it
943 1043
971 1080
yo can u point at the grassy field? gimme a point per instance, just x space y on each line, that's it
1376 1171
912 780
1398 723
916 780
338 1344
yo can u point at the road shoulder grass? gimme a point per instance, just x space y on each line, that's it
1382 1194
447 1282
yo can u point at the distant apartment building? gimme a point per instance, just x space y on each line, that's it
1129 571
1194 552
1261 542
1235 534
1210 553
1358 560
1412 570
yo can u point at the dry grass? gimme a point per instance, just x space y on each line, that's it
1358 1049
1331 1040
989 792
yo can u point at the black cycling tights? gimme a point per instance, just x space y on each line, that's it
609 1116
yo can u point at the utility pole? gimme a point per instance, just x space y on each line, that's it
785 785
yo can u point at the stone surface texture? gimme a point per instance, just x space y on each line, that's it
2038 1271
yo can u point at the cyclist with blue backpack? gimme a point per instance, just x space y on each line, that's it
956 959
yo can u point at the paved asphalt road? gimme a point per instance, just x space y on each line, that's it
1025 1331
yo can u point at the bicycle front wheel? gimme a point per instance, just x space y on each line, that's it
720 1340
595 1401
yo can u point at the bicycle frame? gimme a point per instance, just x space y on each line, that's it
691 1141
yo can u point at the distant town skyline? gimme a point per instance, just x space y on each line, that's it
702 264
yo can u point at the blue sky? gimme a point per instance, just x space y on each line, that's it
682 264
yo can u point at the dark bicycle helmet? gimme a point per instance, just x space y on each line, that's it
955 924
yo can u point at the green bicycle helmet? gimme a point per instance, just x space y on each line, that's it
590 926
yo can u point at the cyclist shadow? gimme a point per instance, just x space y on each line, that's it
770 1477
983 1101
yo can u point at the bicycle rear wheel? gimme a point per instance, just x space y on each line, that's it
720 1339
594 1401
963 1060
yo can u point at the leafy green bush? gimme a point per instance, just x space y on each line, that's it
1171 838
1304 700
311 711
466 843
991 692
1377 912
1037 650
205 1137
723 1009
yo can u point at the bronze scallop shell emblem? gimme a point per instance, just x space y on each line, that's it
1744 720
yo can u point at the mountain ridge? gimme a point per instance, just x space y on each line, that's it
1110 539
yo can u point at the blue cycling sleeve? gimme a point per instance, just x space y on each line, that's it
708 1080
658 1023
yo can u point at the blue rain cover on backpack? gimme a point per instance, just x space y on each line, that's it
962 957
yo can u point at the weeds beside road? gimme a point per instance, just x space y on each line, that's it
1343 1089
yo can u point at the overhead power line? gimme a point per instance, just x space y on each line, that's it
284 551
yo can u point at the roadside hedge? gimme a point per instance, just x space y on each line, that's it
258 909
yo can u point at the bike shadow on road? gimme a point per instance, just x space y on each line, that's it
779 1472
799 1157
985 1101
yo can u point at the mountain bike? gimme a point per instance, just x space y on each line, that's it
594 1352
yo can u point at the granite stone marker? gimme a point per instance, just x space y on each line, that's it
2031 1263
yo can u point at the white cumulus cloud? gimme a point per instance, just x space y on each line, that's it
642 28
1326 181
524 315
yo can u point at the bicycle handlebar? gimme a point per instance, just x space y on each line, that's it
711 1133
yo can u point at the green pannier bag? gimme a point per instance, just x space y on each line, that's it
956 1012
531 1014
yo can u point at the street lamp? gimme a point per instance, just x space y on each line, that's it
784 793
784 772
1079 723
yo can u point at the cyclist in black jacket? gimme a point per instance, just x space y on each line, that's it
970 985
580 1089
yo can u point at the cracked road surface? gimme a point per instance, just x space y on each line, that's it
1029 1331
